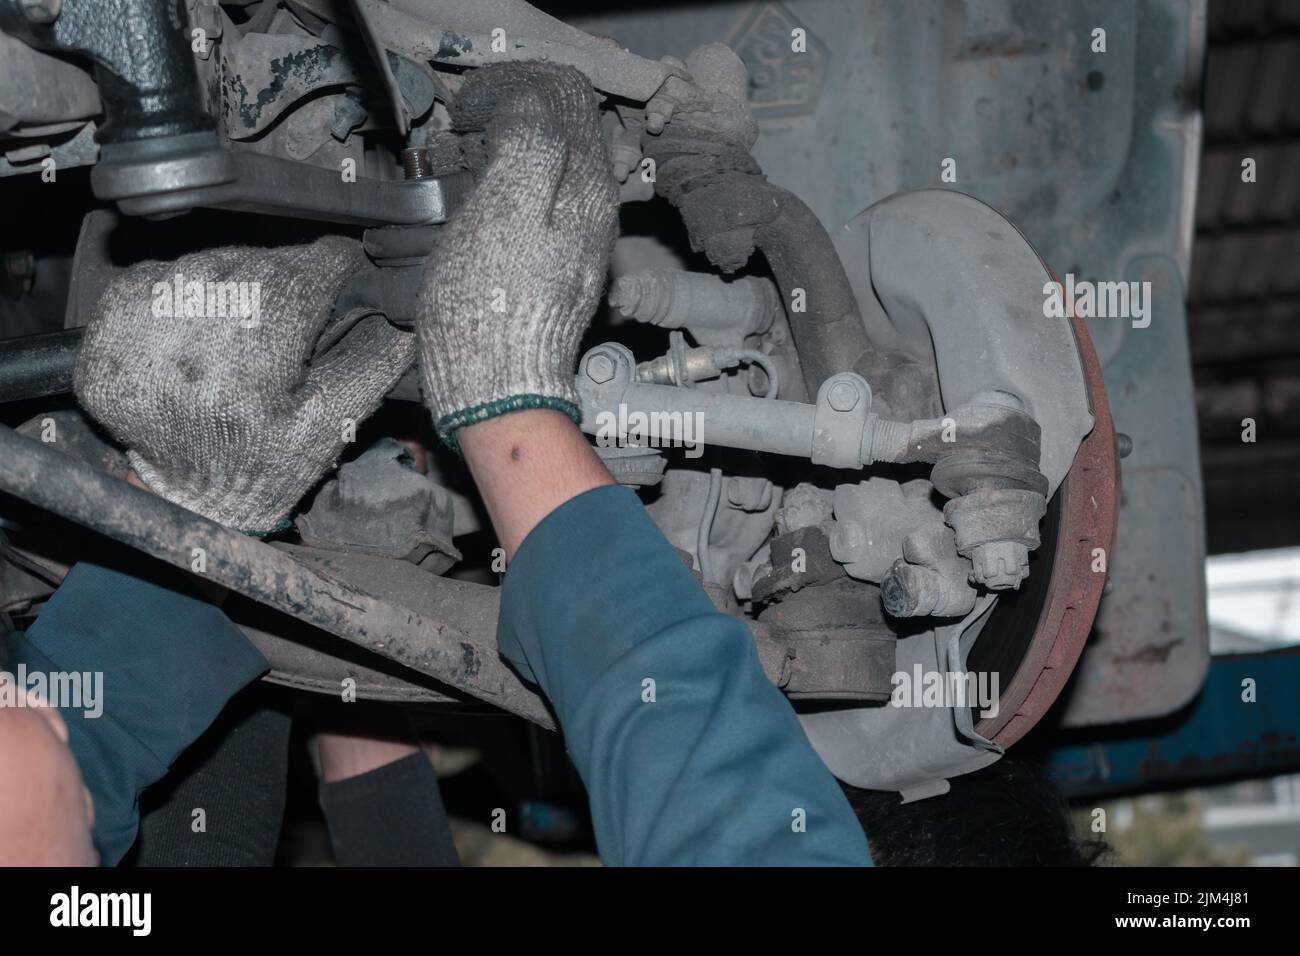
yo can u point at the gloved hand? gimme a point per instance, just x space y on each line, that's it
513 282
221 412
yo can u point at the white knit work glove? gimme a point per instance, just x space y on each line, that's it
216 402
516 276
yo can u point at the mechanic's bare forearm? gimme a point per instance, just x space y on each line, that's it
526 464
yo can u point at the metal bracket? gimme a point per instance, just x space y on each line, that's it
843 410
144 183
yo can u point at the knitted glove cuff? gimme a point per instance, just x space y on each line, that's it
448 425
506 364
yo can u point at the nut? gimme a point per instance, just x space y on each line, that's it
1000 565
600 369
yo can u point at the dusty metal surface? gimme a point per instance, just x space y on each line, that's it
298 663
1093 156
37 88
1145 647
263 76
1157 586
911 749
946 278
252 182
464 35
143 63
380 504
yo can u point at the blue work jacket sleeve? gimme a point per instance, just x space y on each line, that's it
689 754
165 664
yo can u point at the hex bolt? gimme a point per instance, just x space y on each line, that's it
843 396
1000 565
600 368
41 11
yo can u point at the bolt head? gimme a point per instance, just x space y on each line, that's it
41 11
1000 565
843 397
600 369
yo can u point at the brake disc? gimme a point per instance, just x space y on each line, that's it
1037 634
